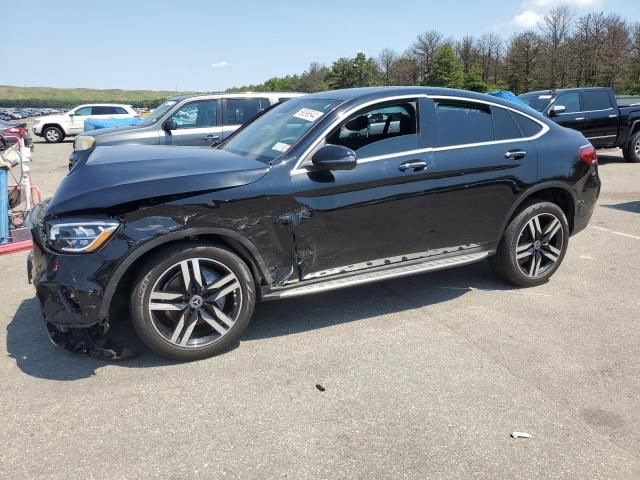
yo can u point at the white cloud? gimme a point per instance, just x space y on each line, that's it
527 19
546 4
221 64
532 11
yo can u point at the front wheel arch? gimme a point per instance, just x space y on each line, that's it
124 273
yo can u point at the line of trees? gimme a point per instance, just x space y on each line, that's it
565 50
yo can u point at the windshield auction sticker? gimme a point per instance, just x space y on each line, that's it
308 114
281 147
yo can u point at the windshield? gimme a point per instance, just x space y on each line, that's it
157 113
537 101
274 132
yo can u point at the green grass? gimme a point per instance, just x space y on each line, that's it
12 96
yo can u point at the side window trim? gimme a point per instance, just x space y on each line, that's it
184 105
297 168
379 104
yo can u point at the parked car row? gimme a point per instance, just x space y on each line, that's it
593 112
18 113
320 192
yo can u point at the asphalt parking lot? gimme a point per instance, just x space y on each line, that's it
424 377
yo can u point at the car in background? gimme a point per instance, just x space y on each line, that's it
13 131
594 112
325 191
202 120
54 128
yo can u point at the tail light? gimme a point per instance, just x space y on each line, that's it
588 155
14 131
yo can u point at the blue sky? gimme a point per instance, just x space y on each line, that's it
208 45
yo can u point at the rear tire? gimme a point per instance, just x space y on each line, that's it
53 134
192 301
632 150
533 245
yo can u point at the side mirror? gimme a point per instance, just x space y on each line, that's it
170 125
333 157
556 110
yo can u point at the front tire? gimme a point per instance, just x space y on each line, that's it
53 134
192 301
533 245
632 150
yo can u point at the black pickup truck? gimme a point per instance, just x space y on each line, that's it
595 113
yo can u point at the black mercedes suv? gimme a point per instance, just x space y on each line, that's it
322 192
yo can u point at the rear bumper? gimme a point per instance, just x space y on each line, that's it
587 202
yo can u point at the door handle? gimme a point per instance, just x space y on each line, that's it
578 119
212 137
414 165
515 154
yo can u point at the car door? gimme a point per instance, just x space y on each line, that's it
482 161
357 218
77 119
601 119
197 124
237 111
572 116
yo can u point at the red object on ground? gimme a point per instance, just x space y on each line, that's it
15 247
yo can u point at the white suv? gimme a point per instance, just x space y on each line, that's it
54 128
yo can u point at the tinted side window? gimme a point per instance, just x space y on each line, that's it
379 130
595 100
528 127
239 110
83 111
197 114
570 101
103 111
462 123
120 111
504 126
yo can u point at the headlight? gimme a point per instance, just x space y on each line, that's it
80 236
83 143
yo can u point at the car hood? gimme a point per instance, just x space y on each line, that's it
97 134
129 173
52 118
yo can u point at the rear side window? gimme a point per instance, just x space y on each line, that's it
504 126
120 111
103 111
528 127
238 110
595 100
461 123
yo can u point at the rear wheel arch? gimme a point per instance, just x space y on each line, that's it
555 192
125 273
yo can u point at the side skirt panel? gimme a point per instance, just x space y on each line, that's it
403 269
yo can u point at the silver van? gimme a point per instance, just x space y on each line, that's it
201 120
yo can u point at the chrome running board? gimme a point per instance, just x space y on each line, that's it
304 288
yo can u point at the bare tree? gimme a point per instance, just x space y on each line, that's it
522 60
385 61
615 51
425 48
467 53
487 46
556 29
